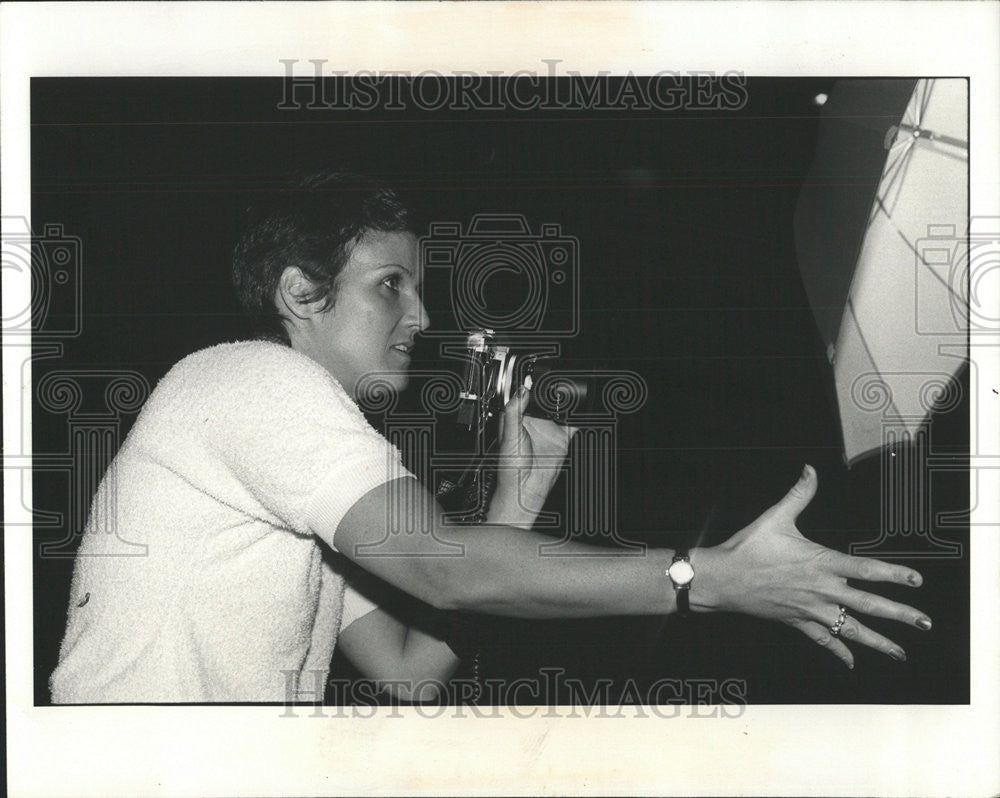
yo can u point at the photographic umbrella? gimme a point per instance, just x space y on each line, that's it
880 232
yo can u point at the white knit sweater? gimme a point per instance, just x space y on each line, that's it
199 578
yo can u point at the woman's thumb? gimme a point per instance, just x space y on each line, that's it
802 492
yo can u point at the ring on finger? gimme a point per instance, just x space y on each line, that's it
841 620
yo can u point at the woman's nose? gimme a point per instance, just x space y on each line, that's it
419 313
425 319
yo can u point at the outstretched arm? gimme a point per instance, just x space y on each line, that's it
768 570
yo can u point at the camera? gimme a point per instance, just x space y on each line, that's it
495 373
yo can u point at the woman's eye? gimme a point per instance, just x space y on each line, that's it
392 282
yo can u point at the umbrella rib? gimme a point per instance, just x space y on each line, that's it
932 137
889 172
920 258
921 99
961 144
924 99
898 169
868 352
892 167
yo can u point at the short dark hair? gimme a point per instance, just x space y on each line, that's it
313 223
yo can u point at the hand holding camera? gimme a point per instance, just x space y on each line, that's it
531 454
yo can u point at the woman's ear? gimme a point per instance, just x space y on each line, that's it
294 294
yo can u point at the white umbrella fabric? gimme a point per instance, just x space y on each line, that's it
899 337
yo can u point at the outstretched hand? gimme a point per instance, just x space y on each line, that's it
769 570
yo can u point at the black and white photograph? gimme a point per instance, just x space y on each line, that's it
494 396
645 262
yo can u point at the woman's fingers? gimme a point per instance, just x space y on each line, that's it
852 631
855 631
870 570
822 636
880 607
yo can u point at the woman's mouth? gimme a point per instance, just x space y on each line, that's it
403 350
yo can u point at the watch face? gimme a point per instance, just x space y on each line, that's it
681 573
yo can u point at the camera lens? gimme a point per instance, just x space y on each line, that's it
555 395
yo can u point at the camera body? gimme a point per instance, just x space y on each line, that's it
495 372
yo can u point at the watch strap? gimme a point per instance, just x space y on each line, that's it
682 592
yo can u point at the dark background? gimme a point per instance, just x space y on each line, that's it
688 277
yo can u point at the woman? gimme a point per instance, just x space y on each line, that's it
251 459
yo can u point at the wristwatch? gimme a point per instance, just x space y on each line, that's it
681 574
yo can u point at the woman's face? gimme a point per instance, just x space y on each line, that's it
375 315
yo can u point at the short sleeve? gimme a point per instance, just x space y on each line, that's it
270 431
356 606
